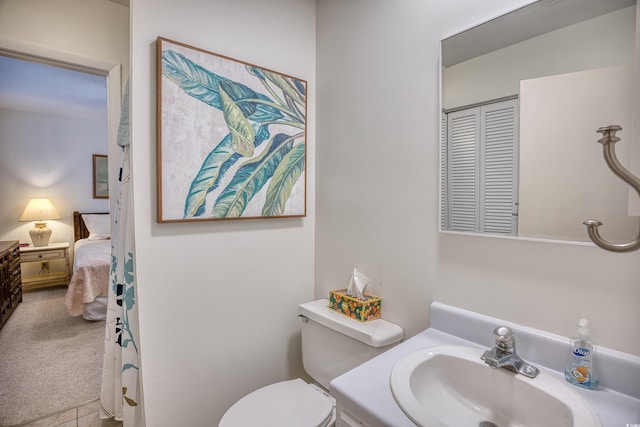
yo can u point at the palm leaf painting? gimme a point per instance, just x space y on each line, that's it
231 138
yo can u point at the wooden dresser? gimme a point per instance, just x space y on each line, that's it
10 279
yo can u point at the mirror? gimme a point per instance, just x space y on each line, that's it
555 71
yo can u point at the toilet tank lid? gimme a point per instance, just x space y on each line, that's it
376 333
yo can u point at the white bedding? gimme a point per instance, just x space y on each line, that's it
88 288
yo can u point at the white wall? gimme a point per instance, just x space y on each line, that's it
377 180
218 300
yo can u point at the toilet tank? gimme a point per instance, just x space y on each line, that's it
333 343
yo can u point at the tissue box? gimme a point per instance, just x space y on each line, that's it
362 310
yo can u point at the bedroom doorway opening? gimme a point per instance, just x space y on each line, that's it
54 121
61 170
47 145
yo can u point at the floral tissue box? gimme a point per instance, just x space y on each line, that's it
362 310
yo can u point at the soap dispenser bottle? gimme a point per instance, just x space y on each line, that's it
580 368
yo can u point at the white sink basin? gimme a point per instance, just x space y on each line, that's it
451 386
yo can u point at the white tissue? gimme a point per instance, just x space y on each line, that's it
357 284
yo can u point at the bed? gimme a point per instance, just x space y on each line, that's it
88 289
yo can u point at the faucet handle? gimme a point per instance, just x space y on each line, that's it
504 338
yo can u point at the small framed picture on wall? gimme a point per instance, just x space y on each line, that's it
100 177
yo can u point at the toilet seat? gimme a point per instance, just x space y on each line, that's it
291 403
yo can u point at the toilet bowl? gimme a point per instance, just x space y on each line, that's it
332 344
292 403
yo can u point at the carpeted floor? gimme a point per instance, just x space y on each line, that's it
49 361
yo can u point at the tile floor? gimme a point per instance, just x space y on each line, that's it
83 416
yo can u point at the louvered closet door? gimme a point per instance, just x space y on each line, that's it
499 171
444 218
463 132
482 169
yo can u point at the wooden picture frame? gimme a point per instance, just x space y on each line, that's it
231 138
100 176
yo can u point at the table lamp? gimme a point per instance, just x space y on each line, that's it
39 210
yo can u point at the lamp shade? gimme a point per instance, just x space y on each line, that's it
39 210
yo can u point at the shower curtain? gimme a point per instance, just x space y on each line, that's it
121 394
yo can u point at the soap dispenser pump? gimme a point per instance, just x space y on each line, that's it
580 368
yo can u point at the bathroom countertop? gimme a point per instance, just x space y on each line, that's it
364 392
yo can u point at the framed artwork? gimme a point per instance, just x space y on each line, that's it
231 138
100 177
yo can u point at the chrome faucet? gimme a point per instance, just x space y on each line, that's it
503 355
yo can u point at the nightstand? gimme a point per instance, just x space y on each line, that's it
40 254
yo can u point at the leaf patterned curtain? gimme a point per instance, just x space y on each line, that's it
121 394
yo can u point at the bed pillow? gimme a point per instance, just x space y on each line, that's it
99 226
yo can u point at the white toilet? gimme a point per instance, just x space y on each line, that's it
332 344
